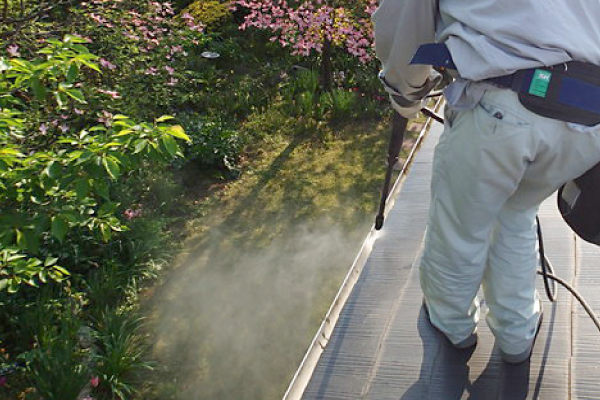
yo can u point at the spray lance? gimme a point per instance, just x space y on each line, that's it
439 80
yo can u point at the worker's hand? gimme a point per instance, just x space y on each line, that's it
409 106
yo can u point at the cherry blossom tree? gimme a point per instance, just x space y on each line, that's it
314 26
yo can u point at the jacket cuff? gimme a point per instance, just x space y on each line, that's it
407 109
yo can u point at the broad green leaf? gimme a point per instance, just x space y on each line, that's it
13 285
47 183
178 132
39 91
72 217
32 241
22 65
81 49
82 188
87 63
60 227
107 209
124 132
105 231
21 240
63 87
73 72
120 116
61 99
112 167
164 118
13 152
50 261
3 284
171 145
102 189
139 146
61 270
123 123
53 169
77 95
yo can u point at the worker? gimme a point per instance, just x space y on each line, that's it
506 145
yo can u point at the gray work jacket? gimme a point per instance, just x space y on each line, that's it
487 38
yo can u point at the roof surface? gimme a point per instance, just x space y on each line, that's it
382 347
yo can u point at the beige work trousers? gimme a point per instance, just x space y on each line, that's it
492 168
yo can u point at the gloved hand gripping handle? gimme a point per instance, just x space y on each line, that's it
399 124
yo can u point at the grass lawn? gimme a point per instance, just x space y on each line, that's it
268 253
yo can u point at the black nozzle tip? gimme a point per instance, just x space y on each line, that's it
379 222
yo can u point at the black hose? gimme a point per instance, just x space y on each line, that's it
547 272
547 268
576 294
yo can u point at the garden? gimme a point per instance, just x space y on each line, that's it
179 182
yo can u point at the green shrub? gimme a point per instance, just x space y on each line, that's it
213 142
341 104
121 355
301 94
57 368
105 287
209 12
53 195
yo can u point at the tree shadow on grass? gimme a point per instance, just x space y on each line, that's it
235 317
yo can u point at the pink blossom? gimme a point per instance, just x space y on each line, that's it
151 71
113 94
95 381
63 128
105 118
98 19
306 26
43 128
107 64
78 111
13 50
172 82
170 70
132 213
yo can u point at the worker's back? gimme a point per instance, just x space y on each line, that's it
497 37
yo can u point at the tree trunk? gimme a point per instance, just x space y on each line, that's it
326 73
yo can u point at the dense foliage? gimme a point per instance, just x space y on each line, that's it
104 107
55 176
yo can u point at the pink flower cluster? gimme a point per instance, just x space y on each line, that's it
13 50
107 64
113 94
306 28
105 118
149 28
132 213
190 21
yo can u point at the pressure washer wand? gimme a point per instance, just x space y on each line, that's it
399 124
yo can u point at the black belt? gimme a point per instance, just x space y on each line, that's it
568 92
